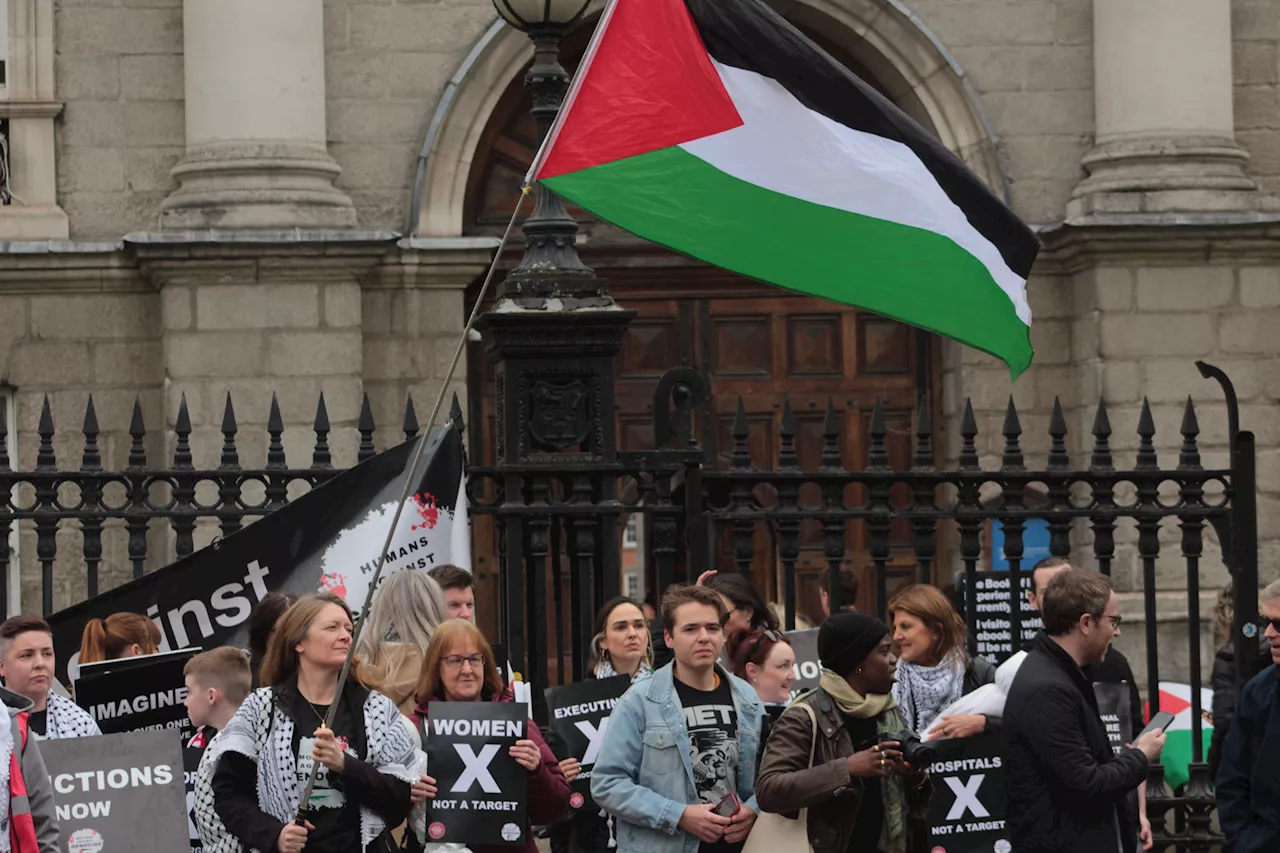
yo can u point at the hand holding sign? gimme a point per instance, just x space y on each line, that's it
960 725
570 767
527 755
422 790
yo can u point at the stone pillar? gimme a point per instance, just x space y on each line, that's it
255 120
1163 95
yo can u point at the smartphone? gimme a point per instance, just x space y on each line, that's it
1159 722
728 807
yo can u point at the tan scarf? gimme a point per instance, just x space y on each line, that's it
884 709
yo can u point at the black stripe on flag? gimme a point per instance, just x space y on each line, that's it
749 35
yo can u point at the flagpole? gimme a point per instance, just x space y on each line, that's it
410 485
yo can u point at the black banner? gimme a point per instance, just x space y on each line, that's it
1113 707
481 789
579 715
137 694
326 540
967 811
118 792
808 669
996 640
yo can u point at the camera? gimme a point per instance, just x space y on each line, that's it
916 752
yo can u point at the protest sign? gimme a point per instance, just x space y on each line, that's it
579 715
481 789
118 792
327 540
191 756
1113 707
808 670
137 694
995 636
967 811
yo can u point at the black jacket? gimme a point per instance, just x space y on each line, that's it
1225 689
1249 779
1067 790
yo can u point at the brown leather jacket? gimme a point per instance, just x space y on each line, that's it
787 784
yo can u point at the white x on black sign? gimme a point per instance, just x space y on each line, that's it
966 797
477 769
595 739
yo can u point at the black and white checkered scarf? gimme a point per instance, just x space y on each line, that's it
66 719
390 751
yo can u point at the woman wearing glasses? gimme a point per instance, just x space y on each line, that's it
459 667
269 749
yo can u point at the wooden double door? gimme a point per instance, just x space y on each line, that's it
761 345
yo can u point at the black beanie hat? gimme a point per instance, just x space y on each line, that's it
845 640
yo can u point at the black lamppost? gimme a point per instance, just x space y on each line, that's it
552 339
551 266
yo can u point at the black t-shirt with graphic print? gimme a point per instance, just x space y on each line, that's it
712 722
335 817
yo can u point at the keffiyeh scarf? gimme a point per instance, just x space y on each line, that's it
66 719
263 732
923 691
605 669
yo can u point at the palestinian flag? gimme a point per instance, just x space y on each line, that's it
713 127
1176 699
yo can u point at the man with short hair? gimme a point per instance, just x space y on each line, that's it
1249 772
848 592
683 742
459 591
1068 791
28 664
1114 668
217 682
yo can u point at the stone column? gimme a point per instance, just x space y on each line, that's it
255 120
1163 94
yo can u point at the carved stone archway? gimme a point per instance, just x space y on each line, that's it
883 36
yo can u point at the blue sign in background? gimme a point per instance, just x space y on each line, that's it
1035 544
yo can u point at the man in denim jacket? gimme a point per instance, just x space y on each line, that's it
682 742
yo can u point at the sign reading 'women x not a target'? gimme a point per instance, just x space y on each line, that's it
481 795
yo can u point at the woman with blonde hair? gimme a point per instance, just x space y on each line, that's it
934 669
120 635
267 752
406 610
459 666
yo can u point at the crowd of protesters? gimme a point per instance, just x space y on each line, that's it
709 750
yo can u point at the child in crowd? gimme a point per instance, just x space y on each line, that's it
217 682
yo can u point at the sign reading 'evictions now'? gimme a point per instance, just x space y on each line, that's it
118 792
481 789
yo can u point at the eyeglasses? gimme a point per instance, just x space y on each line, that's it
1263 622
1115 620
771 636
456 661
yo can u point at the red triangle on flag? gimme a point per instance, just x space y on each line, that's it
1169 703
646 84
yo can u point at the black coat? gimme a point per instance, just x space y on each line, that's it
1249 780
1225 689
1067 789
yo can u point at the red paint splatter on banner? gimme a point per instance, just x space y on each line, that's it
335 583
428 510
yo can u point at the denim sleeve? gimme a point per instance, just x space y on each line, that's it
615 777
1235 771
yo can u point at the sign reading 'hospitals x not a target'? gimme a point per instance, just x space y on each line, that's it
481 790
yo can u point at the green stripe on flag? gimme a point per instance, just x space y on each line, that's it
675 199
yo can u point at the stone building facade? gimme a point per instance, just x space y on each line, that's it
242 196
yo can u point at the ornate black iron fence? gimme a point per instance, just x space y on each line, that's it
556 521
557 517
146 498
